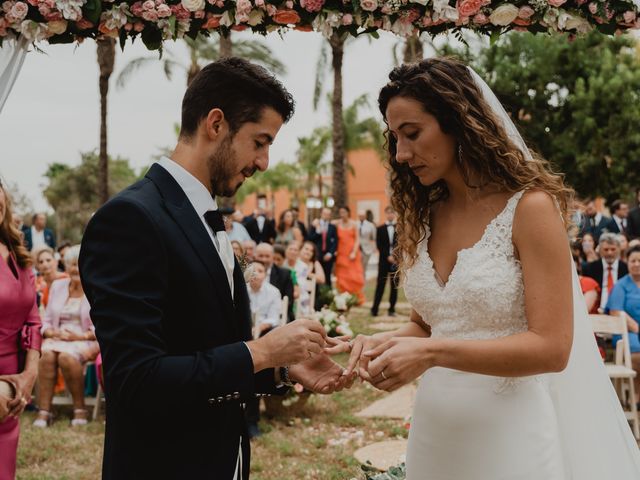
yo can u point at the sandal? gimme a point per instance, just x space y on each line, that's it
79 417
43 420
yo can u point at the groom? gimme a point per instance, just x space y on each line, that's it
169 302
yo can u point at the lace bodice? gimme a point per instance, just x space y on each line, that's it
484 296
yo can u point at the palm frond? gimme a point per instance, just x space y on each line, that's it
321 71
260 53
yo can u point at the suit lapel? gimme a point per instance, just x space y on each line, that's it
187 219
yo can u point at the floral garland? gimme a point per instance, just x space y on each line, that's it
65 21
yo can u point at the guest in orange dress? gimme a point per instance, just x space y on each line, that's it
348 268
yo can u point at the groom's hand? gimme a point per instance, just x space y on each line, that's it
292 343
320 374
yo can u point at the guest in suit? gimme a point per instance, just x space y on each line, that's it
618 221
38 235
386 240
609 268
69 342
169 301
260 228
279 277
592 222
325 235
19 335
633 228
367 231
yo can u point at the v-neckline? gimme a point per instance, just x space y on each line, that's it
15 270
438 278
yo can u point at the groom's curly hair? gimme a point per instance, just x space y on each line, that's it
446 90
239 88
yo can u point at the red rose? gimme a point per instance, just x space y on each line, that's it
286 17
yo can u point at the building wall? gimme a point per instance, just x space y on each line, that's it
366 187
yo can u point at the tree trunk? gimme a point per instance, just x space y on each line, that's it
413 49
225 45
106 59
339 178
194 69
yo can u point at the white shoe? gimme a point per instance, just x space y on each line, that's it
81 421
43 420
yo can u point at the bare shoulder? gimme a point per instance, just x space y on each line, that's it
537 217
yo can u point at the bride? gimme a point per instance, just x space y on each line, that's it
512 385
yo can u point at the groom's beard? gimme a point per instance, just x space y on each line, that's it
223 165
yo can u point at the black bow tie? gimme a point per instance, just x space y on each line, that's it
214 220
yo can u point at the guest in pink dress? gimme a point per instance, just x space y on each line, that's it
19 333
69 342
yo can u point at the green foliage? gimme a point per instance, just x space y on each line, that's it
361 133
73 191
394 473
576 102
281 175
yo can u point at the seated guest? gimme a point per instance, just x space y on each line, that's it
590 288
278 277
249 247
288 230
314 271
238 251
47 268
588 244
609 269
624 246
625 297
279 252
265 299
61 250
69 342
236 230
38 235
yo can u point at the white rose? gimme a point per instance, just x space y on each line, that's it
368 5
440 5
33 31
57 27
504 15
574 22
193 5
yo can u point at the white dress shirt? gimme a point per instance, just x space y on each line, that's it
604 297
37 239
622 223
203 202
260 221
391 228
266 304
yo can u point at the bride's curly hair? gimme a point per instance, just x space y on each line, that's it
446 90
10 235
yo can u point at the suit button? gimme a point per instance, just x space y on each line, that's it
219 399
228 397
211 401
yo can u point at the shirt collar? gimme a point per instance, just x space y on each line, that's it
195 191
614 265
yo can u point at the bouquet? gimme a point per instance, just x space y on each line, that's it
335 324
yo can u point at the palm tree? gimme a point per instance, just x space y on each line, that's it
361 133
281 175
311 157
203 50
106 60
336 42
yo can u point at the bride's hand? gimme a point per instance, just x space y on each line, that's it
358 345
398 361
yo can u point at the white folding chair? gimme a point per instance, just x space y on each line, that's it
95 402
284 312
620 371
309 286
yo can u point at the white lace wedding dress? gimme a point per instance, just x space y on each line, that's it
467 426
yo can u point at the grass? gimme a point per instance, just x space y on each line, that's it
316 443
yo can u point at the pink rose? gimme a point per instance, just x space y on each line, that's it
523 22
629 16
212 22
593 8
526 12
199 14
136 9
163 10
159 2
20 10
312 5
369 5
180 12
467 8
347 19
243 6
580 2
150 16
53 16
3 27
556 3
149 5
480 19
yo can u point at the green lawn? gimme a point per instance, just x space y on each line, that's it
313 442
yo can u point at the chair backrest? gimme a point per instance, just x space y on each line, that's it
614 325
308 286
284 312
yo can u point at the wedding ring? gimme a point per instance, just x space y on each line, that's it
383 375
350 343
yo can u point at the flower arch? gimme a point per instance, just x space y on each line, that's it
155 21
